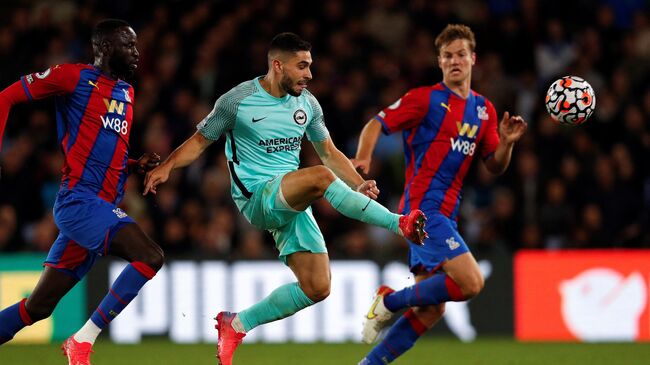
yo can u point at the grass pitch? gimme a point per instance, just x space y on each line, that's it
432 350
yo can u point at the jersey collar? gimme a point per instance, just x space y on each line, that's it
266 94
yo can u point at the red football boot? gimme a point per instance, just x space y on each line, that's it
78 353
229 339
412 226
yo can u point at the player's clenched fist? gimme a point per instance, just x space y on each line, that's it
369 188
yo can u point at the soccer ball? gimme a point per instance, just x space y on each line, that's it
570 100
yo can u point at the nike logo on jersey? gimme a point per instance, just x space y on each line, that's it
445 106
257 120
93 84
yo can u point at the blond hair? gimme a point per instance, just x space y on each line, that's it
453 32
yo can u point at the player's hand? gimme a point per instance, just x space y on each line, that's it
147 162
512 128
369 188
363 165
156 177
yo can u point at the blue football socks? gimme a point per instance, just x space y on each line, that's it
12 320
437 289
124 289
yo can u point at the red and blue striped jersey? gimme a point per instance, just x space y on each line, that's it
94 114
441 133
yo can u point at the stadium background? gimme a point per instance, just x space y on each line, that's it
567 188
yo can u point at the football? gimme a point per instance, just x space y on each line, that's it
570 100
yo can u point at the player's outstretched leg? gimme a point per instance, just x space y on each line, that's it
355 205
301 188
145 258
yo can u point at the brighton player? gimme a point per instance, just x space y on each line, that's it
264 121
444 126
94 113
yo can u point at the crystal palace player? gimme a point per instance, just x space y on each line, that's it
94 110
443 126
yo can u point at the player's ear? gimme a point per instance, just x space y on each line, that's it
106 47
473 58
277 65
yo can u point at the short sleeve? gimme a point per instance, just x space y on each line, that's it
406 112
316 130
221 118
56 80
491 139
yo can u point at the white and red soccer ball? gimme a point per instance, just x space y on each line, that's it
570 100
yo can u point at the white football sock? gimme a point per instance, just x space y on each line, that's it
88 333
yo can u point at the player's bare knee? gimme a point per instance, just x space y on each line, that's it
473 287
319 294
156 259
317 291
323 177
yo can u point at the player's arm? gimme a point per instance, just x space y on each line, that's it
9 97
57 80
221 118
510 130
182 156
333 158
367 142
403 114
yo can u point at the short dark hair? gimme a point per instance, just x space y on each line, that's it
289 42
106 28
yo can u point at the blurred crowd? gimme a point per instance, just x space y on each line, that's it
581 187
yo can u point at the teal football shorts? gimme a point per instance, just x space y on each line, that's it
293 230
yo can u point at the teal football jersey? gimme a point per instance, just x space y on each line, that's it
263 133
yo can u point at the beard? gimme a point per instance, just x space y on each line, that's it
287 85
